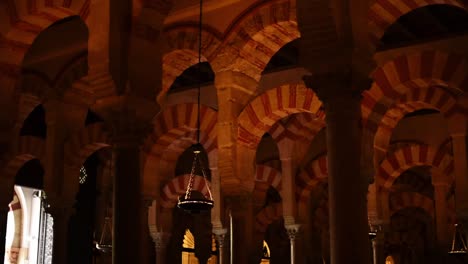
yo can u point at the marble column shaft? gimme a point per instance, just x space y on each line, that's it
127 202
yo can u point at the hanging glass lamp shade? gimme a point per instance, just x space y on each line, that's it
458 242
192 201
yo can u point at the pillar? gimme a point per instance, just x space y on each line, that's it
293 231
234 90
160 240
220 234
287 181
216 192
441 189
458 132
3 228
126 201
378 244
349 239
61 213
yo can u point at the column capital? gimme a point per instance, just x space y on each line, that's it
292 230
220 234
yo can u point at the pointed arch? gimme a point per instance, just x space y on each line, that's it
264 111
384 13
410 156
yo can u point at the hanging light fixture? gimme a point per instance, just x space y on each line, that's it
104 244
194 202
458 242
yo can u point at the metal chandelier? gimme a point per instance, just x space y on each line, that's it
193 202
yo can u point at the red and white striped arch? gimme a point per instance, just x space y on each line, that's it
310 178
302 127
404 200
383 13
427 98
27 148
183 52
179 122
265 178
84 143
267 216
177 186
26 19
263 112
410 156
398 82
174 130
256 37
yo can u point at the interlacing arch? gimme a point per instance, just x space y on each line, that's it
309 178
265 178
177 187
402 200
263 112
411 156
257 36
384 13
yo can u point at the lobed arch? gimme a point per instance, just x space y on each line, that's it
383 13
410 156
310 178
265 177
256 36
263 112
176 187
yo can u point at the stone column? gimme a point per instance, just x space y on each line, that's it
216 192
287 181
293 231
61 214
127 201
461 178
220 234
347 186
160 240
3 228
441 189
378 243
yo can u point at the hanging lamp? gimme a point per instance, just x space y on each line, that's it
104 244
194 202
459 247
